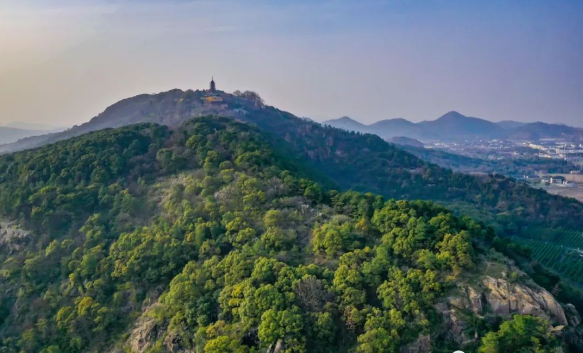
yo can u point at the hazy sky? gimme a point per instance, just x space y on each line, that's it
64 61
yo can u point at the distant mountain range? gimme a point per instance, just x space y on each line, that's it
11 134
172 107
35 126
15 131
454 126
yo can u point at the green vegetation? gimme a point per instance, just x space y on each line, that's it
521 334
362 162
353 161
558 249
366 163
214 238
568 262
566 237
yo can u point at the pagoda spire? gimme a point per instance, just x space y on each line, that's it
213 88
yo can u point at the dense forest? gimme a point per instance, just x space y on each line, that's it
367 163
211 237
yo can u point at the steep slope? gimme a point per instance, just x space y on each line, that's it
147 239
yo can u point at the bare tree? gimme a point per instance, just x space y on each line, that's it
252 96
312 295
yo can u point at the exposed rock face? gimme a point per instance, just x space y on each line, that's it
508 298
498 296
453 328
11 236
145 333
475 301
173 343
278 347
421 345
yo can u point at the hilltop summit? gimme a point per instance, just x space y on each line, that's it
167 108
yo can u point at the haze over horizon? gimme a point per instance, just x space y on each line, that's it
65 62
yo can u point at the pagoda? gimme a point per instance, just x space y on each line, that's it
211 96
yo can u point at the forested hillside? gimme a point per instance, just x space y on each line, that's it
352 161
365 162
362 162
207 238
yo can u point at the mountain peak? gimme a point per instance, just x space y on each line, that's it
346 123
345 119
452 115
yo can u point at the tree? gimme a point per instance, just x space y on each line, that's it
250 95
286 325
333 238
524 333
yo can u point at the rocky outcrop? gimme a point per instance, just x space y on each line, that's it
173 343
500 297
509 298
421 345
145 333
476 301
277 347
472 300
491 297
11 236
454 326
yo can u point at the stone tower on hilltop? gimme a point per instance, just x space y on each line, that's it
213 88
